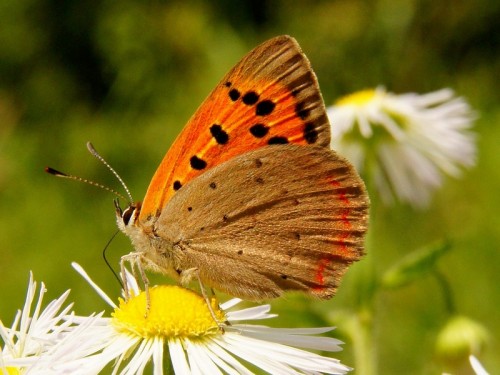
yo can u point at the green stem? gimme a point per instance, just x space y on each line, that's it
363 345
446 290
362 323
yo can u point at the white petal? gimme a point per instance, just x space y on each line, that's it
217 351
294 337
477 366
99 291
276 358
251 313
230 304
158 357
178 357
199 359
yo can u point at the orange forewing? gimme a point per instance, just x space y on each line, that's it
271 96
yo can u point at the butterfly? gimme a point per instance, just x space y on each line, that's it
250 199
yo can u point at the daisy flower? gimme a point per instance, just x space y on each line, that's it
404 143
34 332
179 333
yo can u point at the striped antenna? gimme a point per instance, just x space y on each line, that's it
93 151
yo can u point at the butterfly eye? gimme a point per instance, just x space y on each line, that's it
127 214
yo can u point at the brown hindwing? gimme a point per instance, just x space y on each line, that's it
279 218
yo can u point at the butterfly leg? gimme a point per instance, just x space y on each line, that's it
136 262
194 272
145 282
213 295
124 278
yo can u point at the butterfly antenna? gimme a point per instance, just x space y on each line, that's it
94 153
57 173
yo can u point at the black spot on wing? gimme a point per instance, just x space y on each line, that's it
177 185
264 108
219 134
250 98
302 112
197 163
259 130
234 95
310 133
277 141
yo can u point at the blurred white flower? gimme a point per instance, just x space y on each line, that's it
477 366
404 143
179 320
34 333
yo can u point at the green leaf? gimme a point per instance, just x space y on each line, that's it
414 265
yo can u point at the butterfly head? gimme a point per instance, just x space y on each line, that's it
127 217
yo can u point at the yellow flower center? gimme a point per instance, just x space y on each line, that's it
174 312
13 370
358 98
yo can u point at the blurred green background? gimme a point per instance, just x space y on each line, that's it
128 74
